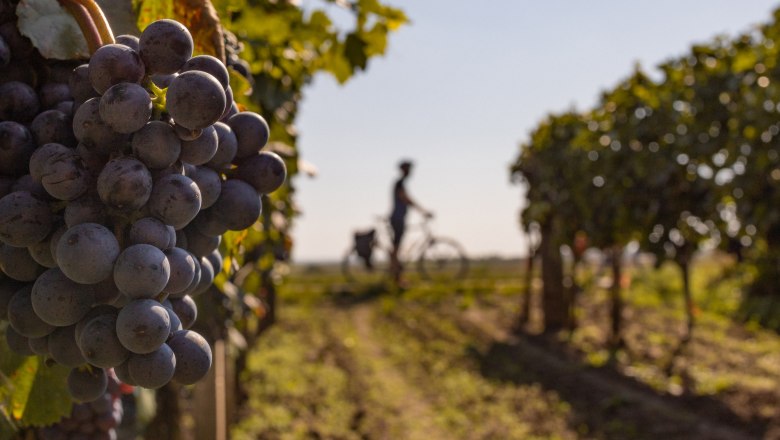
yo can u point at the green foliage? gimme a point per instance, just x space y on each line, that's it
33 393
692 158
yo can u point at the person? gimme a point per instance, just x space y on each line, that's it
401 203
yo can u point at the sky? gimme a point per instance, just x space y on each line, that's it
459 89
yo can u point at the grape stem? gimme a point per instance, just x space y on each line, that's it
104 29
85 22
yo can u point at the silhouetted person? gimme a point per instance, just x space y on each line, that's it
401 204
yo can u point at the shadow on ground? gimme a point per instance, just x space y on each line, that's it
612 405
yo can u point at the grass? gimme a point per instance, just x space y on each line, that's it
440 361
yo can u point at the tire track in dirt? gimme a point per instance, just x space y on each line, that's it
414 411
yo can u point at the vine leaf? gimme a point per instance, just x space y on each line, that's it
51 29
32 393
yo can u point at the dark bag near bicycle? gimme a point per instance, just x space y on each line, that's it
364 246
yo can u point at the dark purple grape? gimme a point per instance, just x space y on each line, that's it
162 80
86 253
112 64
130 41
156 145
193 356
199 244
182 265
126 107
39 346
63 175
238 206
53 126
99 343
41 253
186 309
195 100
251 132
202 149
63 348
80 85
165 45
18 343
93 132
28 184
22 316
206 277
210 65
24 219
226 147
16 147
18 264
141 271
18 102
59 301
52 93
85 209
143 325
209 182
266 171
87 384
207 223
151 231
153 370
125 184
175 200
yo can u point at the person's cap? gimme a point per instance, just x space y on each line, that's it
405 164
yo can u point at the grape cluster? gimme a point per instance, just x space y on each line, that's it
95 420
116 191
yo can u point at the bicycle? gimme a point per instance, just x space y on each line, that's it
437 258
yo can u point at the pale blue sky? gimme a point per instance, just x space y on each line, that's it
459 89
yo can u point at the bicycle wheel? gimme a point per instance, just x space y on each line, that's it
356 270
443 259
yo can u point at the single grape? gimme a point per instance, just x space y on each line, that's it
80 85
45 153
210 65
106 291
93 161
251 132
53 126
16 147
202 149
130 41
265 171
59 301
141 271
190 290
195 99
112 64
27 184
215 258
156 145
63 348
18 264
64 176
19 102
163 80
209 182
238 206
99 343
152 231
165 45
52 93
85 209
182 265
153 370
207 223
24 219
22 316
125 183
126 107
143 325
186 134
87 384
193 356
39 346
18 343
54 239
227 146
94 312
175 200
86 253
41 253
97 136
186 309
206 277
199 244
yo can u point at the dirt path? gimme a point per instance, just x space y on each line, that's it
414 413
594 382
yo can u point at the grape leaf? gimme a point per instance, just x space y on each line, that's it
52 30
32 393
